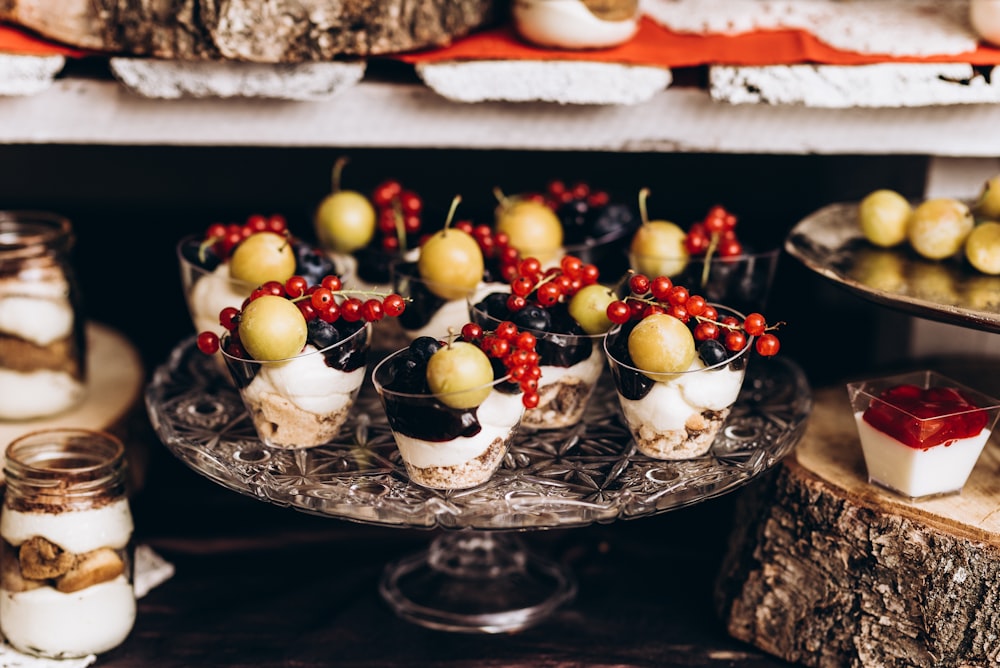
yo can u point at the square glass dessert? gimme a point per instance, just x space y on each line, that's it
921 433
455 406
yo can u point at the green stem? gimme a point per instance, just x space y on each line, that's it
338 167
713 243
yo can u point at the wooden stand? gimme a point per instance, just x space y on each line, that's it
825 569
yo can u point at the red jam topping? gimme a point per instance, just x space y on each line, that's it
905 412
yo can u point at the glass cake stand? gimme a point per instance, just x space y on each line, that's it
477 576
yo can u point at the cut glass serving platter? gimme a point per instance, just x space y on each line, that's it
477 577
829 242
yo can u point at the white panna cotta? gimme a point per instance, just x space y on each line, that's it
670 421
93 617
918 472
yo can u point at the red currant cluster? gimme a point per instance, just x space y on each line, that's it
557 193
516 351
398 214
495 247
552 285
327 302
660 295
715 234
223 238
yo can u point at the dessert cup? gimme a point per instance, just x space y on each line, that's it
302 401
208 290
426 313
742 282
448 448
921 433
571 365
675 415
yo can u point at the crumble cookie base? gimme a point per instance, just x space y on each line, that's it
460 476
560 404
693 441
282 424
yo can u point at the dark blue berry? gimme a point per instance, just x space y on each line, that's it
322 334
423 347
533 317
712 352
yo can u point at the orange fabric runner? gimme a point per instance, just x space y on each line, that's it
655 45
652 45
19 41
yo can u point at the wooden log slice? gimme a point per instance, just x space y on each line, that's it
825 569
262 31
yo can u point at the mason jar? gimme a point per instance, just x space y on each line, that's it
66 559
42 337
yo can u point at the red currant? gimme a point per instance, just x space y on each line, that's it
768 345
393 305
208 342
754 324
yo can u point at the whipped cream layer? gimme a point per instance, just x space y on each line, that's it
75 531
37 312
210 294
917 472
497 415
90 621
28 395
307 382
670 402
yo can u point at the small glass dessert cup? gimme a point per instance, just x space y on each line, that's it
742 282
675 415
921 433
426 313
303 401
208 287
442 447
571 365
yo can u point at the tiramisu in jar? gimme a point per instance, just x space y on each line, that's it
66 560
42 344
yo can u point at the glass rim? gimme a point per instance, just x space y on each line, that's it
115 453
538 333
25 229
764 254
718 365
225 338
867 388
381 389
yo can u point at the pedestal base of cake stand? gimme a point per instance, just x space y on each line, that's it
476 582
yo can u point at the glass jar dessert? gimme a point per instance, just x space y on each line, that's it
66 528
42 337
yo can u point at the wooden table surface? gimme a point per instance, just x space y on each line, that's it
269 587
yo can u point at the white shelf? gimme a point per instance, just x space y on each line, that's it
383 114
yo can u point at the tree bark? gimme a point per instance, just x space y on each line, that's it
263 31
827 570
